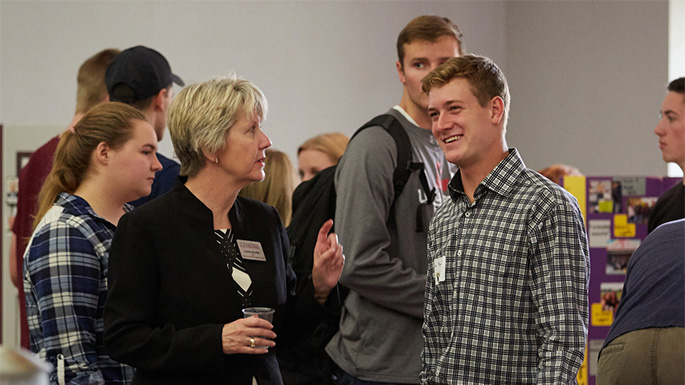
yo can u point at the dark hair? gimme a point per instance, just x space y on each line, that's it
428 28
677 85
124 93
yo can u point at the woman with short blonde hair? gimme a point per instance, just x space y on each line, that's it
185 265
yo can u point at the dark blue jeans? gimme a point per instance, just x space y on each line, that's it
345 378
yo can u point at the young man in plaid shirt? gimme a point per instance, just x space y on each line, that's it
508 261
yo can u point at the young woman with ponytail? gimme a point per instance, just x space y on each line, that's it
102 162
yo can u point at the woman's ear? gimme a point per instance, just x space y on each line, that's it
211 158
102 152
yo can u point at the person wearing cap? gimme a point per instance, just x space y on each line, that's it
141 77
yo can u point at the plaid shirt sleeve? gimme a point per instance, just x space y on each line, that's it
64 274
560 276
430 353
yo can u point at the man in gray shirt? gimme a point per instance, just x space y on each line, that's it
380 330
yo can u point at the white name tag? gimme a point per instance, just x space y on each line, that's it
439 269
251 250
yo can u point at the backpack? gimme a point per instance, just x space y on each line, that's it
313 201
313 204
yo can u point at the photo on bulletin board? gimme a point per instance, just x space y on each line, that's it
610 295
599 196
617 196
638 209
618 255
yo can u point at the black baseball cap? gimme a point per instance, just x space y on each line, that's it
142 69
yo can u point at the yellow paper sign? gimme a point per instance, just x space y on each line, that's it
601 317
576 186
606 206
623 229
582 372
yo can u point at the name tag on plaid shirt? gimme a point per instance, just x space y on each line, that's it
439 269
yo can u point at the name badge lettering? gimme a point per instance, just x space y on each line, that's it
251 250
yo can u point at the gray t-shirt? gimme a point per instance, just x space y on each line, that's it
380 330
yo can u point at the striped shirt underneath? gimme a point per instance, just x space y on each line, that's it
235 265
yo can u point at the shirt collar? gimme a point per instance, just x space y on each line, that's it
500 180
405 114
79 206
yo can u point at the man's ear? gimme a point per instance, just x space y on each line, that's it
102 153
159 99
496 110
400 72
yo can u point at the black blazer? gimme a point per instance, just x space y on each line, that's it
170 292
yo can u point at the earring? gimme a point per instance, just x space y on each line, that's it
216 160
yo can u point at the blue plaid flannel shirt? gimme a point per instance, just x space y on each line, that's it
65 281
512 304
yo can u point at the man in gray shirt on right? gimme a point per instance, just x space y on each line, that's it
380 339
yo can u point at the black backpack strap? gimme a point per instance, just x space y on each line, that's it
395 129
404 164
426 197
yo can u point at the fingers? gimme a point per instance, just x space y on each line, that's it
325 228
256 345
251 335
256 322
259 336
333 239
259 327
334 253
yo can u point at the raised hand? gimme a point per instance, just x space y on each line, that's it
328 262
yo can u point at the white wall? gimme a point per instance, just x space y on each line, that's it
587 81
676 39
323 65
676 53
587 77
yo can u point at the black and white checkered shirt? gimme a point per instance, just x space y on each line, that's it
511 306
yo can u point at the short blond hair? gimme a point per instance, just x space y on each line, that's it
278 185
485 78
91 89
202 115
332 144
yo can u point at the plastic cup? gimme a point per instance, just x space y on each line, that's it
266 313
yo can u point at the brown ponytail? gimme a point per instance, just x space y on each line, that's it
110 123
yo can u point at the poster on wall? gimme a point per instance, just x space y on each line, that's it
616 211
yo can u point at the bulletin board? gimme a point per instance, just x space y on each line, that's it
616 211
